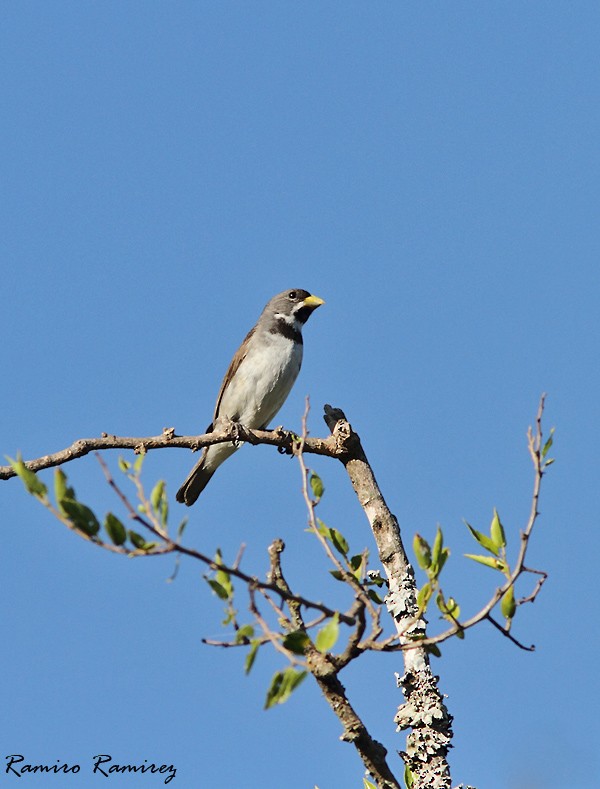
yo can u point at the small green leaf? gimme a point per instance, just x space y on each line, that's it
409 778
136 539
251 656
445 553
548 443
368 785
436 553
32 484
485 541
323 529
124 465
422 551
449 608
549 462
218 589
338 541
328 635
508 605
337 575
282 686
424 596
316 485
296 642
488 561
224 580
374 597
61 489
115 529
157 494
80 516
244 633
497 531
137 466
356 564
434 650
181 527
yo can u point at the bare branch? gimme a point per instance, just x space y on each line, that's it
509 635
229 432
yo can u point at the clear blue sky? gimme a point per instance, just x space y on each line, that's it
431 170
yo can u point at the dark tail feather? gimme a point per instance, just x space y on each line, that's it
194 485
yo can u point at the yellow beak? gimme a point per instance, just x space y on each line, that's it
313 301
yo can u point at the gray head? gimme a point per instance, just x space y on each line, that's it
288 311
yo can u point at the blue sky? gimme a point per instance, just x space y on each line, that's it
431 170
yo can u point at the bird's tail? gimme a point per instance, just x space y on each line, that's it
195 483
199 476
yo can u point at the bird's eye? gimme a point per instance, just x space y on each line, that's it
292 295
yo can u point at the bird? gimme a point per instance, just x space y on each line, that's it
258 381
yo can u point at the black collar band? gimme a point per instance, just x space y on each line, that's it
287 330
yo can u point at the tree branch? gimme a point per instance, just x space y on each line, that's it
424 711
229 431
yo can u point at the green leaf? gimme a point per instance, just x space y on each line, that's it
548 443
337 575
136 539
32 484
449 608
436 553
218 589
485 541
157 494
368 785
424 596
181 527
497 531
137 466
316 485
508 605
374 597
224 580
339 541
296 642
115 529
282 686
323 529
409 778
445 553
434 650
80 516
244 633
328 635
124 465
549 462
61 489
251 656
422 551
356 564
488 561
221 576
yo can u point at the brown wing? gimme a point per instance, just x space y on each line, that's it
233 368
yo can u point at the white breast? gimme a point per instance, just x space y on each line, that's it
263 380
